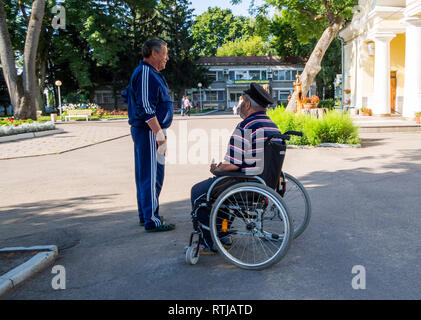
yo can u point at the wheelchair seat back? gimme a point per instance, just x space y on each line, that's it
274 155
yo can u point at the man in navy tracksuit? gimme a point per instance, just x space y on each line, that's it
150 112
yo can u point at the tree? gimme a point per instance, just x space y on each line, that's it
331 66
22 88
320 18
286 43
316 18
253 46
285 40
182 72
215 27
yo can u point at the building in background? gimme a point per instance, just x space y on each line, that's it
232 75
382 51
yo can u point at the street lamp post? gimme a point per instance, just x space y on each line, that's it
58 84
200 94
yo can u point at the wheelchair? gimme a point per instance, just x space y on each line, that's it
250 221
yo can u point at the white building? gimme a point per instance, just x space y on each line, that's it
382 68
232 75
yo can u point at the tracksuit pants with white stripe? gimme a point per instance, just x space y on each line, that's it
149 176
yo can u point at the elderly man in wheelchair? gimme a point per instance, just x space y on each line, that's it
240 211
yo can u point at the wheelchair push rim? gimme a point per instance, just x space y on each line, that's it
257 221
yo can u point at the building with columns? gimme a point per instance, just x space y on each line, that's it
382 57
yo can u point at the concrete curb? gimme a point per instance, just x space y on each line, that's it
30 135
26 270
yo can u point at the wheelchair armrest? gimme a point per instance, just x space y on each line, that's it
238 174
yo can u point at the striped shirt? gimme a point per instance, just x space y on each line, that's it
246 146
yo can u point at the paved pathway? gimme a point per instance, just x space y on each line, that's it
365 212
76 135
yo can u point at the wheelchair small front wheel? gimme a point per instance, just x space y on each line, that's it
192 255
256 219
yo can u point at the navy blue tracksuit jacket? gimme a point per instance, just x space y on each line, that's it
148 97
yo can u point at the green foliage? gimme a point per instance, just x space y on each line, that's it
333 128
176 20
331 66
253 46
285 40
217 26
327 103
311 17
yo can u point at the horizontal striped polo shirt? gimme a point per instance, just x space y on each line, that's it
246 146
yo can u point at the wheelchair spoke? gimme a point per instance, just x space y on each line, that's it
248 218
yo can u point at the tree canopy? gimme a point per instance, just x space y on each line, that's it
253 46
215 27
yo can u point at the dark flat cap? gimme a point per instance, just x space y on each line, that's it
260 95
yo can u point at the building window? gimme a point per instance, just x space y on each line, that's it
241 75
275 75
221 96
232 75
264 75
254 75
107 98
219 76
212 76
281 75
214 95
283 96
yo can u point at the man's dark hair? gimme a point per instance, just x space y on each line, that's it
152 44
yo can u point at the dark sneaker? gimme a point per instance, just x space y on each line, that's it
206 251
142 222
162 228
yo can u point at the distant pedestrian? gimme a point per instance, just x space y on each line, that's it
182 109
187 105
235 109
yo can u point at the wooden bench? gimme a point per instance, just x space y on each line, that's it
84 113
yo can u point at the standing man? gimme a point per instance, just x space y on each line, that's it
150 113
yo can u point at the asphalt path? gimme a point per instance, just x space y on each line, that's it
365 213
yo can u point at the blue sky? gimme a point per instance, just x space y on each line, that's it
201 6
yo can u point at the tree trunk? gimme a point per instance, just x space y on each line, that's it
314 64
22 90
8 62
27 108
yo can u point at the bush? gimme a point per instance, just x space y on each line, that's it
333 128
328 103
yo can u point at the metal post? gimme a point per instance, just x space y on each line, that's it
59 101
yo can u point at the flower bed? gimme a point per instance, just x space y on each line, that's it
11 126
334 127
97 112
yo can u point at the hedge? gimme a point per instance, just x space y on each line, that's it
334 127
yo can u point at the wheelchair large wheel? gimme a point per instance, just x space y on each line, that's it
250 226
298 201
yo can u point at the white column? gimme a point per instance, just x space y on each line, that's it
359 74
382 73
412 97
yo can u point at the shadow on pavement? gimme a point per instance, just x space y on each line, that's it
365 216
